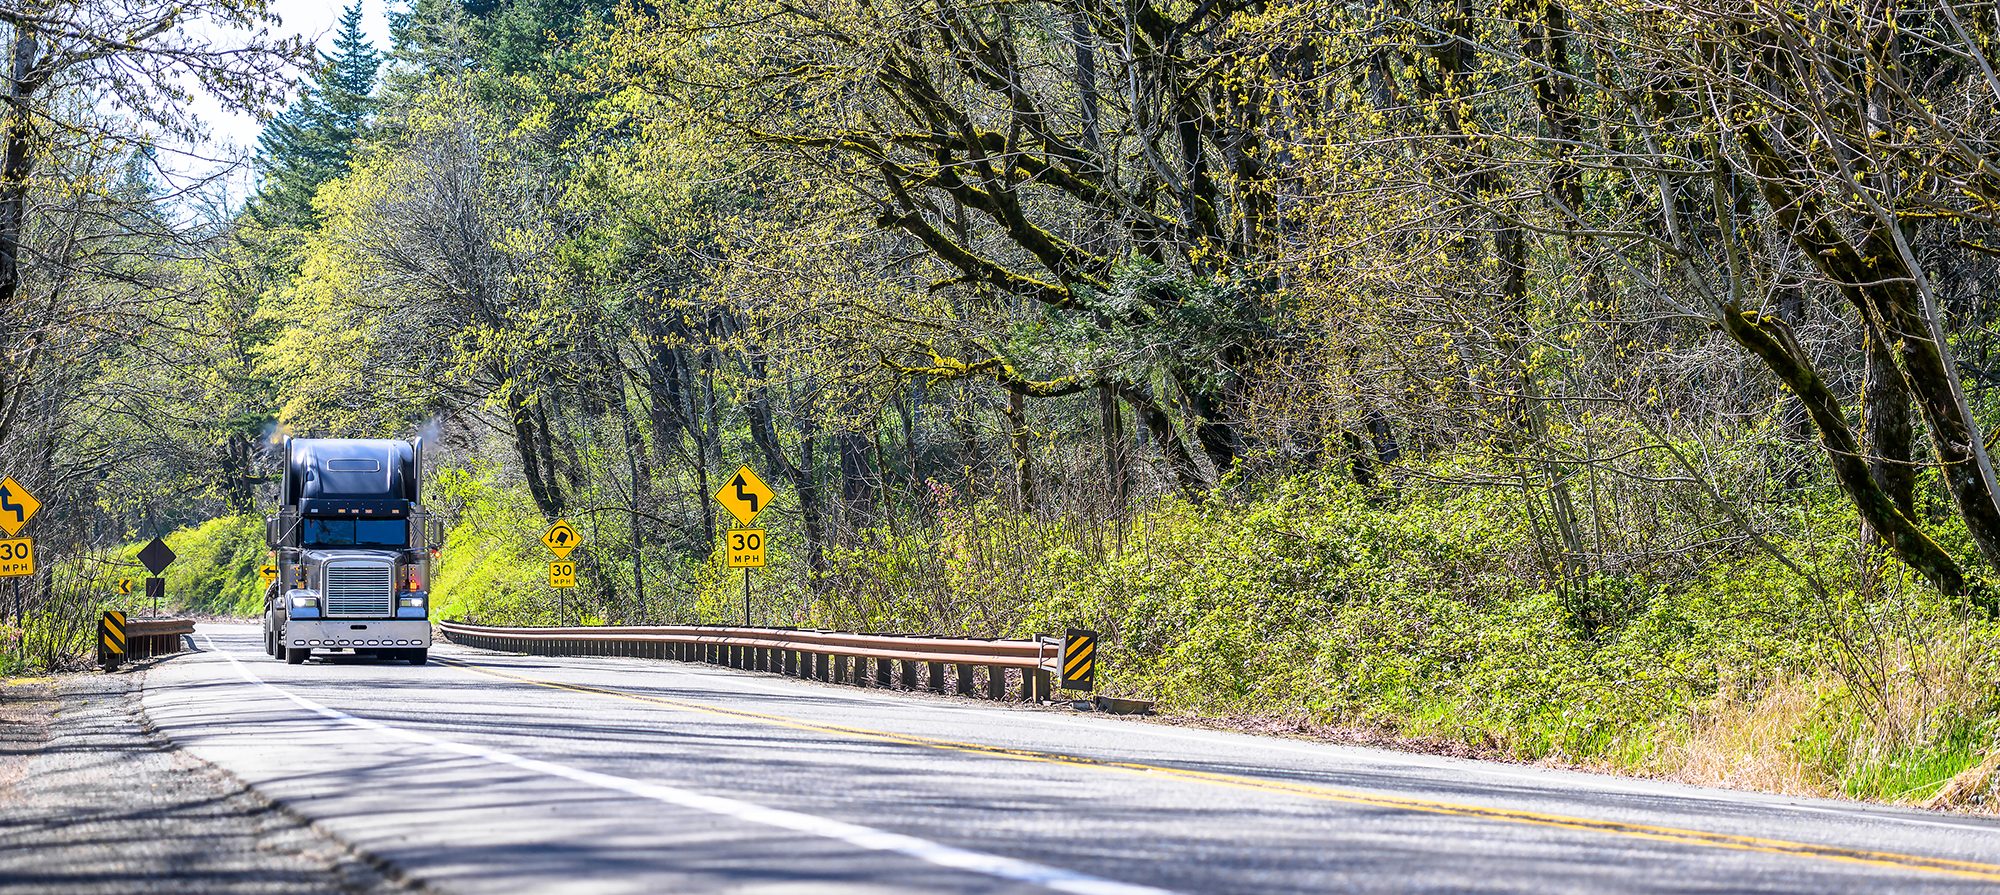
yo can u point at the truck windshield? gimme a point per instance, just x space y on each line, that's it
356 533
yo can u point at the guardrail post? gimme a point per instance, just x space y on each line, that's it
839 663
909 674
937 677
964 679
1034 685
996 682
885 674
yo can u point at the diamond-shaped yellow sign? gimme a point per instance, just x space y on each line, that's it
744 495
561 539
17 506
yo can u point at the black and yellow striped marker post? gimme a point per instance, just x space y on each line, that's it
1079 657
111 639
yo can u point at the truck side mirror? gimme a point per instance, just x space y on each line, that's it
434 532
271 532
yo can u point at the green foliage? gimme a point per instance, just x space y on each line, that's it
313 139
491 567
1332 604
214 571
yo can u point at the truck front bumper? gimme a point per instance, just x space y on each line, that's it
357 633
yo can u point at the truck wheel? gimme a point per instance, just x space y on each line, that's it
418 656
296 656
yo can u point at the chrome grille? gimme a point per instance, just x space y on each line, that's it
358 589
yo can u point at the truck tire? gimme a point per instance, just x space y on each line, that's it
418 656
296 655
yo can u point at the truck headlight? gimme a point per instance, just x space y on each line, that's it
305 603
412 605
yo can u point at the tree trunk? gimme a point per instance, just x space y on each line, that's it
1890 430
1023 478
17 163
1771 340
1116 448
528 451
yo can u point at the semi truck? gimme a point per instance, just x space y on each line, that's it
353 546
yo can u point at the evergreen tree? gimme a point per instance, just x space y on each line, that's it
312 141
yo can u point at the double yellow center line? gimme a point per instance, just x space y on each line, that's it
1676 835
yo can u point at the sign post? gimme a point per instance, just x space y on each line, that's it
561 539
17 506
744 496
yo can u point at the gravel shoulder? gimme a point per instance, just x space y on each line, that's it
93 801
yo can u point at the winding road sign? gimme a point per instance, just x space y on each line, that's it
744 495
17 506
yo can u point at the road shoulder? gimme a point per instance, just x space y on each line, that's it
93 800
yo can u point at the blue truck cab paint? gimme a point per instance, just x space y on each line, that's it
353 547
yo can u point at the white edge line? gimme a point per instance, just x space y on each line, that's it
869 838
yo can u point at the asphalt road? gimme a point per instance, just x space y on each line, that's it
489 772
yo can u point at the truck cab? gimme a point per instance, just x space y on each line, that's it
353 546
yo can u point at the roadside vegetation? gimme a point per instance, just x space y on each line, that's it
1573 381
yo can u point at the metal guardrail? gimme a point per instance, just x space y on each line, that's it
990 668
120 638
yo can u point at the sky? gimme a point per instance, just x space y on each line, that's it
232 136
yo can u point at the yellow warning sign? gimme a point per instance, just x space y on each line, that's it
561 539
562 573
270 573
1079 655
111 639
744 495
17 506
746 548
125 587
17 557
